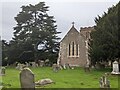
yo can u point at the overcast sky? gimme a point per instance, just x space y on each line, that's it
65 12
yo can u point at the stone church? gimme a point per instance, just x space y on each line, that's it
74 47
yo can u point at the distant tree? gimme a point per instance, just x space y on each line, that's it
105 43
5 47
36 28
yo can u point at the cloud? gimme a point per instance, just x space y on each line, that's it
82 13
60 0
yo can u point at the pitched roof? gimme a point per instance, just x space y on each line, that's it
72 29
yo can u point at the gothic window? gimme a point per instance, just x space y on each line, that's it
77 49
73 50
69 49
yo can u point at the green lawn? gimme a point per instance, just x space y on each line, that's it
76 78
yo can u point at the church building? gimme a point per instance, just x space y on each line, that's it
74 47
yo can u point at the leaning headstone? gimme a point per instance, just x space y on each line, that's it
104 82
115 68
27 79
2 71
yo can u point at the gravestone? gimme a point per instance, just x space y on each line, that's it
109 63
27 79
20 66
67 66
27 64
64 66
104 82
43 82
30 64
115 68
38 62
60 66
55 67
33 64
47 62
87 67
2 71
42 63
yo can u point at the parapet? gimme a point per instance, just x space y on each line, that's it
87 29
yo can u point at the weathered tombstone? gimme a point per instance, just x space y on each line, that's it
20 66
55 67
67 66
104 82
109 63
27 79
2 71
42 63
30 63
33 64
43 82
92 67
64 66
97 65
17 67
38 62
47 62
87 67
27 64
115 68
60 66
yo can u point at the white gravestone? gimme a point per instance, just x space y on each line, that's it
115 68
27 79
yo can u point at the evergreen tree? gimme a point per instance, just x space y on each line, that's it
105 44
36 28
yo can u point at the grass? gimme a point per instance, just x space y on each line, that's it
76 78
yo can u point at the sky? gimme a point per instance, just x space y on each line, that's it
82 12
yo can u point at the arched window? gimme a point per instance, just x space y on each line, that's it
69 50
73 49
77 50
